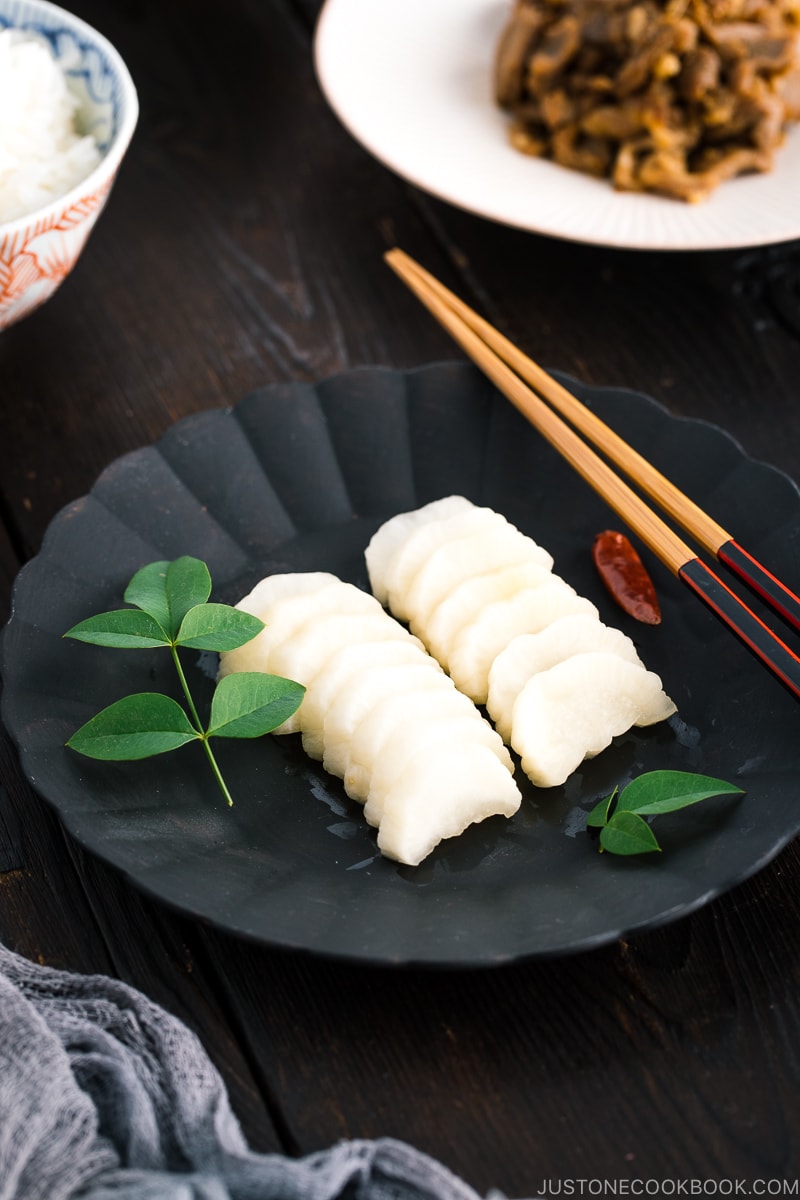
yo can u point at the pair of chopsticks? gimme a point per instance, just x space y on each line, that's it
512 372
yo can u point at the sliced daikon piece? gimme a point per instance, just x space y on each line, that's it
464 557
278 587
391 535
479 643
363 691
463 604
531 653
373 738
433 800
288 612
576 708
304 654
417 548
338 669
417 738
264 596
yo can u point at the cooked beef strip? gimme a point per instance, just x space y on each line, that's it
671 96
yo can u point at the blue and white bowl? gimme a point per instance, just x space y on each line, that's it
38 250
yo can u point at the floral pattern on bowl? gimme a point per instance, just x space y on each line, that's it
38 251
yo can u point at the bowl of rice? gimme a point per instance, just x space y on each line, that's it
68 109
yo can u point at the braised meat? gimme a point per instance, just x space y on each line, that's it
665 96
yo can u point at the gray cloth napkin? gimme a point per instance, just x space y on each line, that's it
105 1096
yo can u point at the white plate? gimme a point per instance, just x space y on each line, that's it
412 81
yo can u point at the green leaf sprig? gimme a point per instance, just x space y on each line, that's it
171 609
620 817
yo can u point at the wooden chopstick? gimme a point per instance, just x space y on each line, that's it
703 528
653 531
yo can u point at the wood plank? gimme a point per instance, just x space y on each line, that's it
159 952
43 911
61 907
641 1060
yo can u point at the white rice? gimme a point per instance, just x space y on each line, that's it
42 155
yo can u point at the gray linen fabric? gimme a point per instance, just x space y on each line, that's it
105 1096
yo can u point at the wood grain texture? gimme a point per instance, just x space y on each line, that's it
243 245
58 908
647 1059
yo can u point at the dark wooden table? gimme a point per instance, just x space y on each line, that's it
243 246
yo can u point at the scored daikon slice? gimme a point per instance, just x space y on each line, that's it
310 646
287 613
304 654
366 689
414 737
433 800
280 586
374 735
338 669
479 643
423 541
576 708
466 600
268 592
393 533
464 557
530 653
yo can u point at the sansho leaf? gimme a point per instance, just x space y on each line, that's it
249 704
217 627
627 833
125 628
134 727
668 791
148 591
167 590
598 816
188 584
623 828
171 609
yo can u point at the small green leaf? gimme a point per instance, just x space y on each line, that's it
598 816
135 727
626 833
125 628
249 704
167 590
667 791
217 627
148 591
188 584
171 608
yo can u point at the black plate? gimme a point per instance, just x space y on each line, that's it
297 477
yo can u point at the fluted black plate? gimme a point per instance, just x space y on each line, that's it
298 477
